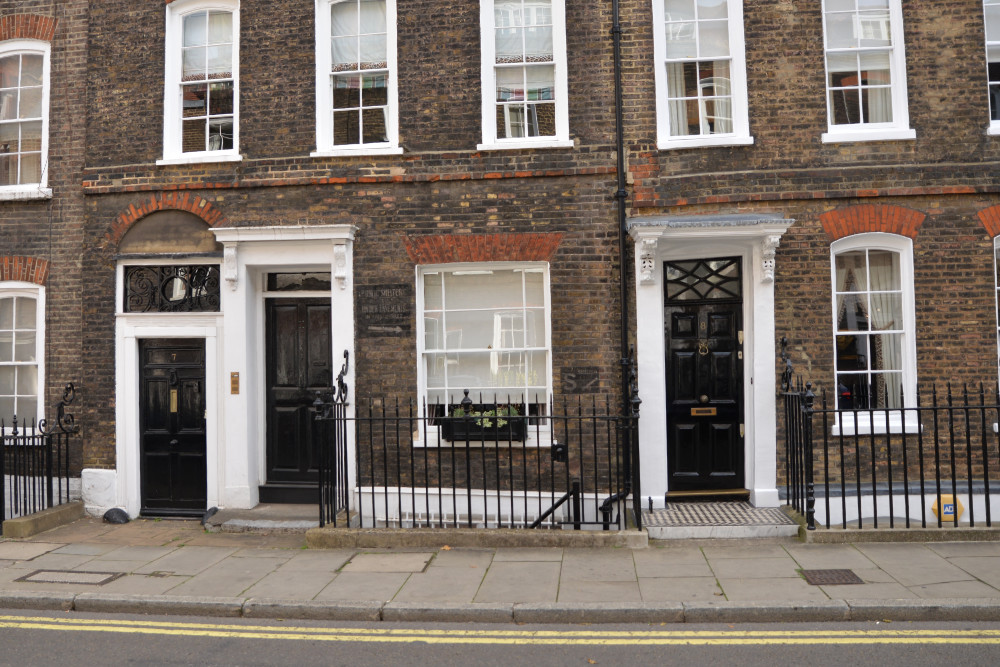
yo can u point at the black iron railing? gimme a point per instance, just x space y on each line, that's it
476 464
936 462
35 462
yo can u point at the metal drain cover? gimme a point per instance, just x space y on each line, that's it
830 577
70 577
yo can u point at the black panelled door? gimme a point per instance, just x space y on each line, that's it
299 363
704 342
172 426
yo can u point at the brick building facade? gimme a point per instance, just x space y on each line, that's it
768 142
42 106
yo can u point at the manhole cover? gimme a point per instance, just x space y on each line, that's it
70 577
831 577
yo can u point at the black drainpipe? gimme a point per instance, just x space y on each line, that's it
620 196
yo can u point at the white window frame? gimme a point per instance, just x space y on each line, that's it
899 128
740 136
39 190
488 77
537 436
13 288
994 126
324 88
172 101
874 420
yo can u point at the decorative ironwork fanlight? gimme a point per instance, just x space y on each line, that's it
172 289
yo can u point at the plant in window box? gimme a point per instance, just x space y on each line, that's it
469 421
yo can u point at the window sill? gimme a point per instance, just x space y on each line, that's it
537 437
24 193
867 424
515 145
201 158
894 134
704 141
358 151
993 130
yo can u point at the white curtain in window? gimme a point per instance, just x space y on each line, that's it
885 314
359 32
677 105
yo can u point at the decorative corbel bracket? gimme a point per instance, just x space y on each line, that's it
230 267
340 265
768 247
647 260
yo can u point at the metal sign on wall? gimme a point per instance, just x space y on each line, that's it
385 310
581 380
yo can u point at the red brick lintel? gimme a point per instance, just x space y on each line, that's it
24 269
863 218
93 187
27 26
508 247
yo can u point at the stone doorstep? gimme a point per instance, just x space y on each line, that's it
39 522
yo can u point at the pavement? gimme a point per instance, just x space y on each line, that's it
178 567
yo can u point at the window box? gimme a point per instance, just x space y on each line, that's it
483 423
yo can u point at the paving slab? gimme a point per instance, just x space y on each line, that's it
580 565
742 549
143 584
956 589
984 568
660 589
600 591
82 530
322 560
754 568
666 562
135 553
520 582
767 590
365 586
292 585
92 549
243 540
543 554
187 560
51 561
389 562
228 578
913 564
26 550
463 558
282 554
828 557
965 549
443 584
886 591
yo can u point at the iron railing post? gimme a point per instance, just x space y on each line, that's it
808 411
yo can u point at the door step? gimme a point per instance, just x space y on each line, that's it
298 494
717 519
710 495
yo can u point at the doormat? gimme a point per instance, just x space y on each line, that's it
733 513
830 577
70 577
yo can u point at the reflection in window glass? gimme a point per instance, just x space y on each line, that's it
21 118
18 359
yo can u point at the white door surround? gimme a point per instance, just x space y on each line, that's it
234 359
754 238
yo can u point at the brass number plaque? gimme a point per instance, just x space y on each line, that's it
173 400
703 412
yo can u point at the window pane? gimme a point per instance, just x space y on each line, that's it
492 289
195 29
840 31
713 9
31 69
344 17
534 286
194 64
25 313
31 103
195 100
852 312
7 375
8 105
6 345
373 126
27 408
346 91
220 28
845 106
510 84
993 23
346 127
883 270
6 410
220 98
509 45
541 82
372 17
676 10
713 39
886 352
220 134
432 291
8 170
24 346
194 135
534 330
6 313
10 138
373 49
852 274
874 29
9 71
345 53
220 62
27 381
31 136
435 369
374 90
681 40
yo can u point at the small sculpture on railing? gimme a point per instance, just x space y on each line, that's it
786 375
322 408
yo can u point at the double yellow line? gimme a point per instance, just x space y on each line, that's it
522 637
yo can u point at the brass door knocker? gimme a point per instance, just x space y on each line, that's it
703 347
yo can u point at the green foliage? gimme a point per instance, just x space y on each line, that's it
485 418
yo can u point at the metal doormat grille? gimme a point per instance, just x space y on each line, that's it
830 577
737 513
70 577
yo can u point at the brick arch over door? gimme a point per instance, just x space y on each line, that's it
864 218
24 269
508 247
27 26
160 202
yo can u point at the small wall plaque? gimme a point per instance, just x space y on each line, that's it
234 383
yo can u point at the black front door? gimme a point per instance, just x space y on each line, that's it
299 363
172 426
704 341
